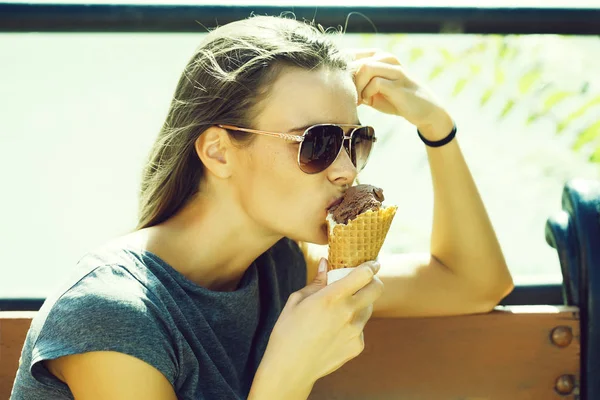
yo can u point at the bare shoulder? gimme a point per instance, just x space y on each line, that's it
110 375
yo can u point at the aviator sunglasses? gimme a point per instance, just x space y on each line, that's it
321 144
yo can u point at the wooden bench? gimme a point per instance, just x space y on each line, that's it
513 353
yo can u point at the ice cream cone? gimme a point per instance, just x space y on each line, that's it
360 239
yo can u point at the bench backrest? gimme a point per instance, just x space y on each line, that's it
511 353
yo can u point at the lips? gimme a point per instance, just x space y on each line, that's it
335 202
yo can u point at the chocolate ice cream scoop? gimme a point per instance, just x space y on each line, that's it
357 200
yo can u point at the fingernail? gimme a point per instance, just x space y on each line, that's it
322 265
376 265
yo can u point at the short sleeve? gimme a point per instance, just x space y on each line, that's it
107 310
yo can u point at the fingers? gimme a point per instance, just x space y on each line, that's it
381 59
368 295
362 317
379 70
355 280
363 302
377 85
370 63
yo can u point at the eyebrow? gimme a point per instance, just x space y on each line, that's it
305 127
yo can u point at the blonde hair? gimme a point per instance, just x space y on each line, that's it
224 83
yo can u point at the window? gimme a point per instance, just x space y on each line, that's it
527 110
79 113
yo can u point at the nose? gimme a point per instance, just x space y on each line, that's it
342 171
346 145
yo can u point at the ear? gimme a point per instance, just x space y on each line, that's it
214 149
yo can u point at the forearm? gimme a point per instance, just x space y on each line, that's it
274 381
463 237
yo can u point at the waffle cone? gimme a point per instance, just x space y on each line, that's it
360 240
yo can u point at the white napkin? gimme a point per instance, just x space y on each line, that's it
337 274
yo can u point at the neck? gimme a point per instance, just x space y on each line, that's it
211 241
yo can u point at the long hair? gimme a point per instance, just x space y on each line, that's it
224 82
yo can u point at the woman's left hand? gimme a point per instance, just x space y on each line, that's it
382 83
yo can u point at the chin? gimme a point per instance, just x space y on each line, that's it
316 236
320 236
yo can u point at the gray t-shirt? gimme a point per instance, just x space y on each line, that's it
208 344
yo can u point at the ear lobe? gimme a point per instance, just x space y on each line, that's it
212 147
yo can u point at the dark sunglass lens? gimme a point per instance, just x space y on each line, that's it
320 148
362 142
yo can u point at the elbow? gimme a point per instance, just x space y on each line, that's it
495 292
504 284
490 294
507 287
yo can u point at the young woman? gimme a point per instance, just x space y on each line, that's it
216 295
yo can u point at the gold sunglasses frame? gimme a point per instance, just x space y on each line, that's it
300 139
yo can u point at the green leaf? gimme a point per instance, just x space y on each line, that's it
561 126
416 53
507 107
504 48
511 53
475 69
526 82
576 114
460 85
436 72
448 56
532 118
507 50
495 40
595 157
585 107
554 99
478 47
500 78
486 96
398 37
588 135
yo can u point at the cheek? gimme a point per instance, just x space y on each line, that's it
277 194
267 179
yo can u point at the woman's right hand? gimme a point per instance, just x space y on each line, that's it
321 327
